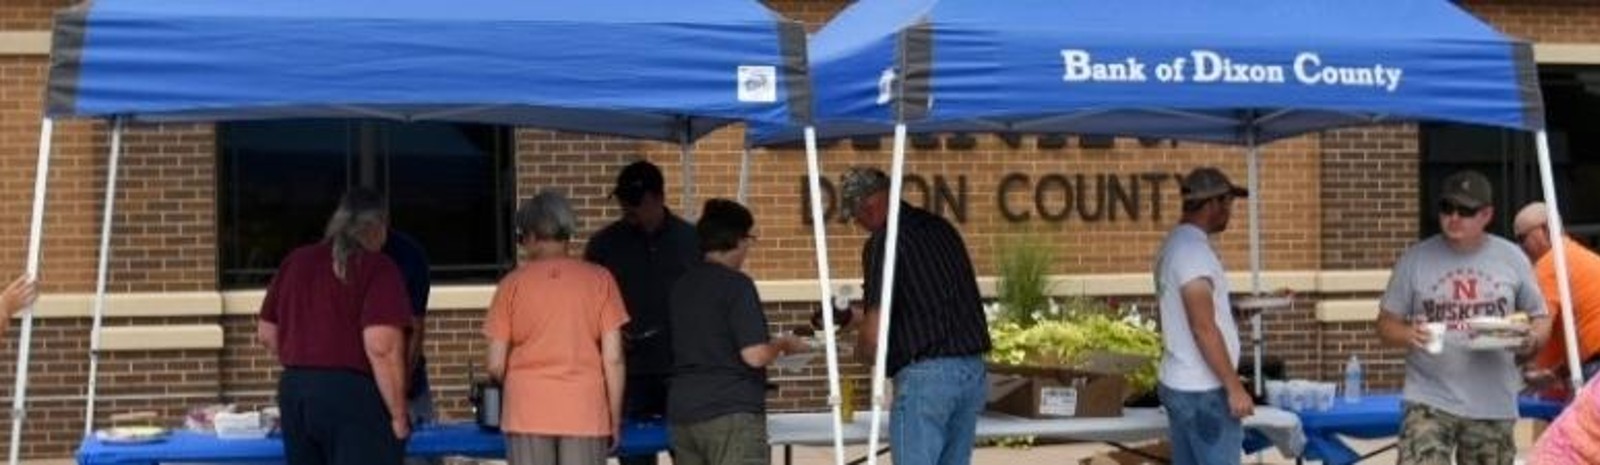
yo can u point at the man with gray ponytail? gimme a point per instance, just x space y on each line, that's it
336 315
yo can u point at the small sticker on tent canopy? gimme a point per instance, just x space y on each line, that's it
758 84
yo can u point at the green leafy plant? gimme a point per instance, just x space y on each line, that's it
1024 286
1083 329
1033 329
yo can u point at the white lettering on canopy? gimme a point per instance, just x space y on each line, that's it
1080 67
1309 70
1211 66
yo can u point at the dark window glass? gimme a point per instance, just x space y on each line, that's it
1510 159
446 185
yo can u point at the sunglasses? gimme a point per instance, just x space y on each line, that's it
1522 236
1452 208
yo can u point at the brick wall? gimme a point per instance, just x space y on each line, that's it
1541 20
1370 181
25 15
1119 243
1335 201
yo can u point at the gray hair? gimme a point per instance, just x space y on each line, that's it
547 216
359 209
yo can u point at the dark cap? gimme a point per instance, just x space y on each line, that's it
859 183
636 180
1206 182
1467 188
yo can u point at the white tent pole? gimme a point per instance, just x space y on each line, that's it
686 149
744 175
886 290
1558 242
819 241
19 393
1254 184
100 275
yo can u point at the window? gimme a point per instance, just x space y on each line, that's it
448 187
1509 159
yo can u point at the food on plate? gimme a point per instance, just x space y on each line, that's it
1485 326
1494 333
133 433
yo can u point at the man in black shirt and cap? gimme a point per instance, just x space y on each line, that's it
646 250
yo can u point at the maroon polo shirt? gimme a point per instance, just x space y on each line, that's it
320 318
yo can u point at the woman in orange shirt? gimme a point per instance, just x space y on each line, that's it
555 343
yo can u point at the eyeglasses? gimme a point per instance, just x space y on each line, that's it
1522 236
1452 208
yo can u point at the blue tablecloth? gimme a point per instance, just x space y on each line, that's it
433 441
1376 416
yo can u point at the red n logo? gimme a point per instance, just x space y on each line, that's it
1466 289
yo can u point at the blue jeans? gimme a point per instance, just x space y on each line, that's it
934 419
1203 430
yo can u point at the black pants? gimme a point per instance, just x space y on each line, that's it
335 417
644 398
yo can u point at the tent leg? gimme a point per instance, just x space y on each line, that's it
1254 184
886 289
686 150
35 247
100 275
744 175
1568 327
819 240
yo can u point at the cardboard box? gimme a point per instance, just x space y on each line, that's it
1094 387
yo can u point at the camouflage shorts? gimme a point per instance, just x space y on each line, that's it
1428 436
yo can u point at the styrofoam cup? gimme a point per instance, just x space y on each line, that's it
1276 393
1435 337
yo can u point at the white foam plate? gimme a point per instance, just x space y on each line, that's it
1493 324
794 361
131 435
1493 343
228 433
1264 303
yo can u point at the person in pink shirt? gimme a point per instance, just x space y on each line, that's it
1574 437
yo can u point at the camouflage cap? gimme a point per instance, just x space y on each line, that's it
1206 182
859 183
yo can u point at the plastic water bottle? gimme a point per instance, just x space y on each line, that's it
1352 380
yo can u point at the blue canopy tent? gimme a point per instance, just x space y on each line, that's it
1236 72
661 70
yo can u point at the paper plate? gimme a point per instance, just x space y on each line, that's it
794 361
1495 324
132 435
1264 303
1493 343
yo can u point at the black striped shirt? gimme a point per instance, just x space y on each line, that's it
937 311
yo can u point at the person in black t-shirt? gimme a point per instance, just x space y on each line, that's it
717 404
646 251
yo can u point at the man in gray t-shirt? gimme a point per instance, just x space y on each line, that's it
1460 401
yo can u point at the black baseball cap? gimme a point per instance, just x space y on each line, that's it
636 180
